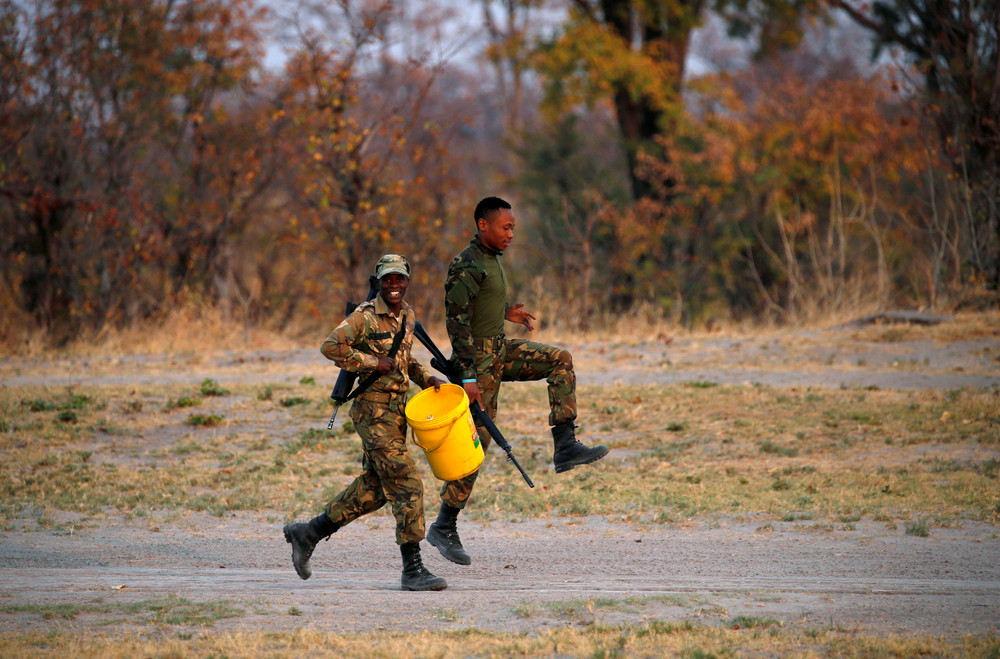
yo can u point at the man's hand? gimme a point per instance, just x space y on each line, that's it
434 381
385 365
475 396
518 315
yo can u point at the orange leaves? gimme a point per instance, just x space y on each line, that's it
789 140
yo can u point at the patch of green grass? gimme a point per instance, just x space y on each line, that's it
779 484
308 380
76 402
294 400
525 610
170 610
206 420
174 610
767 446
610 410
576 609
182 402
867 418
187 448
210 387
917 529
67 416
313 434
39 405
308 440
753 622
63 611
700 384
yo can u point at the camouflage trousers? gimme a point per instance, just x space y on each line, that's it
516 360
389 474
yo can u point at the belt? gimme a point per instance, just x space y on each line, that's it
488 341
381 396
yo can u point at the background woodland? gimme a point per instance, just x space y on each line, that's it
683 161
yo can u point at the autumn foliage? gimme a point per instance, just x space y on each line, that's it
801 198
150 162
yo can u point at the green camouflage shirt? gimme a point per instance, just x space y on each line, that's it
365 335
475 300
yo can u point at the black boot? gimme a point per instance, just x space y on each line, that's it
443 534
303 538
415 575
571 453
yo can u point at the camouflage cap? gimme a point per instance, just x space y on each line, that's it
392 264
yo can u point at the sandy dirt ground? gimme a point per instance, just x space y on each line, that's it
528 576
524 576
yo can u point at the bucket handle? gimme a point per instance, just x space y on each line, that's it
444 436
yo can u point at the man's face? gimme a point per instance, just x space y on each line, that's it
393 288
497 229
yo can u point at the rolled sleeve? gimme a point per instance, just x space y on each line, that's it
339 346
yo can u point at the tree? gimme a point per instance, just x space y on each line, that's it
955 45
788 203
106 100
367 166
573 189
510 31
631 52
634 52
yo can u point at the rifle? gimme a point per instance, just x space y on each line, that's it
439 362
346 379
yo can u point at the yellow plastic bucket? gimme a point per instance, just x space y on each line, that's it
444 429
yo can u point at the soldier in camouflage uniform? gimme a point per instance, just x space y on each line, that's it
476 308
362 343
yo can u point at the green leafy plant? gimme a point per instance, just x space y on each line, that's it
206 420
210 387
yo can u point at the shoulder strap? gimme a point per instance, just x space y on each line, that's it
397 341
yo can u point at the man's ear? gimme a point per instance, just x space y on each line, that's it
481 224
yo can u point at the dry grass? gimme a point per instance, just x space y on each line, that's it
185 330
200 328
654 639
678 452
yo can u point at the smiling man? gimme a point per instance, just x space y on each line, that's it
375 339
476 308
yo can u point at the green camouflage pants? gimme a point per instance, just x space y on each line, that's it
389 473
517 360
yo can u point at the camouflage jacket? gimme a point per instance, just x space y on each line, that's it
365 335
475 300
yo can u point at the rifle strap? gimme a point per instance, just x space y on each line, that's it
397 341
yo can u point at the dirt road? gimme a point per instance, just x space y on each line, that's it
525 576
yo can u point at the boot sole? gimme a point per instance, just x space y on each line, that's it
458 560
290 540
442 586
579 463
